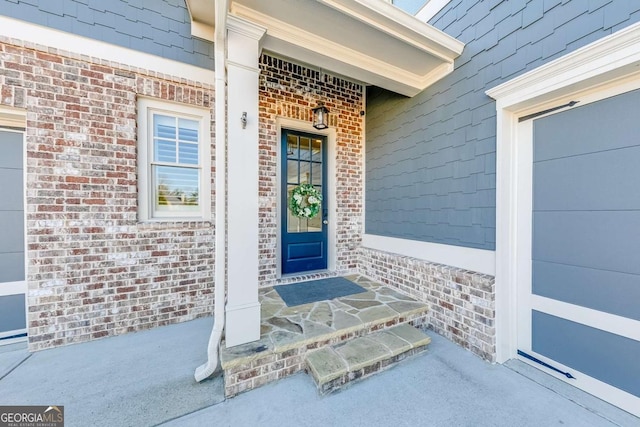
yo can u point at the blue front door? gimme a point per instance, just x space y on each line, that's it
304 240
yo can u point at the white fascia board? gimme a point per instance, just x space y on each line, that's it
202 31
436 74
401 25
67 42
203 18
409 87
471 259
604 59
431 9
297 41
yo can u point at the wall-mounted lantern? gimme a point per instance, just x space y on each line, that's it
320 116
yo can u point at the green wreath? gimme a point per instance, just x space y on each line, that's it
304 201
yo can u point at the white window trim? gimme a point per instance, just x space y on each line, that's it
146 107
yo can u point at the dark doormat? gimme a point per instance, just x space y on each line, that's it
317 290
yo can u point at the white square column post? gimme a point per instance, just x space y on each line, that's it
243 307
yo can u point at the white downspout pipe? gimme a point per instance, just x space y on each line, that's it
206 370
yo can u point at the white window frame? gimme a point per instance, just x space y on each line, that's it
146 108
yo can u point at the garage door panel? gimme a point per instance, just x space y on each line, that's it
12 231
591 128
601 240
578 224
12 244
12 309
11 150
598 181
608 291
11 267
607 357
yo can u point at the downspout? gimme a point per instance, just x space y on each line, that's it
206 370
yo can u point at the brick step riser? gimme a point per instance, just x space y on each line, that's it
275 366
366 372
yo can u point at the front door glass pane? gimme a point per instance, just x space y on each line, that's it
304 166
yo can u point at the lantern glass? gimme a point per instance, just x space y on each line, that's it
320 117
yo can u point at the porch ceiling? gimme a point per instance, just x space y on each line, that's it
366 40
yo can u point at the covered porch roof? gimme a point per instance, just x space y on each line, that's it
370 41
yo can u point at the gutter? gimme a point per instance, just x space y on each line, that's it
207 369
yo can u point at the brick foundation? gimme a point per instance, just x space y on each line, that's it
462 303
93 270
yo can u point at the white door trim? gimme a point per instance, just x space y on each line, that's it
330 133
599 70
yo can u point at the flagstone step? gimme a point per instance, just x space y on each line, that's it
289 333
334 366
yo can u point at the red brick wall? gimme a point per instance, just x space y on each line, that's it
289 90
93 270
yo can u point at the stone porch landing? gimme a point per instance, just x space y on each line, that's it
288 333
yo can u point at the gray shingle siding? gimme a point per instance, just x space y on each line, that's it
157 27
430 159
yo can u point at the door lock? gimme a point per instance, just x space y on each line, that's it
325 222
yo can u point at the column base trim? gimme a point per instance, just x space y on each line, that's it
243 324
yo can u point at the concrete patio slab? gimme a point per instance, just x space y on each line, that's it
146 379
444 386
138 379
11 356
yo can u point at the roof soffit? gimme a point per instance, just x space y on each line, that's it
369 41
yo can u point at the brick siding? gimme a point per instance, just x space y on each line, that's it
93 270
461 302
290 90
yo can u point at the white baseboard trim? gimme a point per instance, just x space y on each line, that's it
479 260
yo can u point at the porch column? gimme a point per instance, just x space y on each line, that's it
243 307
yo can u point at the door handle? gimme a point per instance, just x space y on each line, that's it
325 222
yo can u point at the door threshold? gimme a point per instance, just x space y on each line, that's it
304 276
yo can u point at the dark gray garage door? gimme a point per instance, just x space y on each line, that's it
586 239
12 271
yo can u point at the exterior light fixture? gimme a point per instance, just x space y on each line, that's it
320 116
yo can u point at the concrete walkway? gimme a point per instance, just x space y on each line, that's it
145 379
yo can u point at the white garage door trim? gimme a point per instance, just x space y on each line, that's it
527 301
604 68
